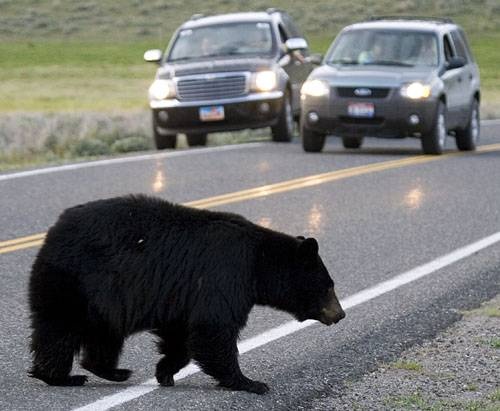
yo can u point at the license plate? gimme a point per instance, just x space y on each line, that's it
212 113
366 110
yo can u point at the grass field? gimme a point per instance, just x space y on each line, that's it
69 55
73 76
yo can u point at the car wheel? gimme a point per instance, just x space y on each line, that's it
434 142
197 139
352 142
468 137
163 141
283 130
312 141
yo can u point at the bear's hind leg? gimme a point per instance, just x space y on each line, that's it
53 351
173 346
101 354
214 349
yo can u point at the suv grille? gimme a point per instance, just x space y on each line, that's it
214 87
375 92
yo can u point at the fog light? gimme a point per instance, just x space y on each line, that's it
264 108
312 117
163 116
414 120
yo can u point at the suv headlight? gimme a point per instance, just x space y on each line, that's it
416 90
162 89
264 81
315 88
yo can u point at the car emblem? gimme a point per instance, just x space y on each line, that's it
362 92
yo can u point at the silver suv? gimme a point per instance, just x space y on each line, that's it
394 77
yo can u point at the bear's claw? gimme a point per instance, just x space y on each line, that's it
166 380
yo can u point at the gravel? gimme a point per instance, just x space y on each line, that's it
458 370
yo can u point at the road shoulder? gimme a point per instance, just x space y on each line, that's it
459 369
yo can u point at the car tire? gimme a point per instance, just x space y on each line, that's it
163 141
434 141
468 137
283 130
312 141
196 139
352 142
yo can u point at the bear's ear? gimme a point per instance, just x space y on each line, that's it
308 248
301 237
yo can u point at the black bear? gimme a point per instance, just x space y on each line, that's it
114 267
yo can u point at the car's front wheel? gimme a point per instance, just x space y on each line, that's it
283 130
468 137
352 142
434 141
163 140
312 141
199 139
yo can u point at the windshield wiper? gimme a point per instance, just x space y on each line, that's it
388 63
345 61
180 59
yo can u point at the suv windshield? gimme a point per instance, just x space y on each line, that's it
385 47
252 38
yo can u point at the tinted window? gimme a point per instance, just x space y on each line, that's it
385 47
459 45
223 40
448 51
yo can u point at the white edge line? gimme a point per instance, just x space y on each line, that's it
290 327
121 160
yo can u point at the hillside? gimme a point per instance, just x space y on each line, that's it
134 20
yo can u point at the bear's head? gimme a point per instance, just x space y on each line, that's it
293 278
315 297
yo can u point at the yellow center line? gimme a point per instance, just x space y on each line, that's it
266 190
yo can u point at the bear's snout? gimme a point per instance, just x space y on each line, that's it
333 312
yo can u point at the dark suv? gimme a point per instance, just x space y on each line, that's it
394 77
229 72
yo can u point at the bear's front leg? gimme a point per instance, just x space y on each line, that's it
214 348
172 344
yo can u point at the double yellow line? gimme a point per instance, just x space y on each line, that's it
263 191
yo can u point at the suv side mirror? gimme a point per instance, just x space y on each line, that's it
455 62
295 43
153 56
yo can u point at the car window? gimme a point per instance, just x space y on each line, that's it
385 47
252 38
459 45
448 51
466 44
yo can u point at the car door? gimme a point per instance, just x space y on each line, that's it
452 80
467 79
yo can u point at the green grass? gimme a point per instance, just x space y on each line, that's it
51 75
407 365
73 56
494 342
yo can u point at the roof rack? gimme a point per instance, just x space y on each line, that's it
421 18
197 16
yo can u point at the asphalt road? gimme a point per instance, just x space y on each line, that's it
373 223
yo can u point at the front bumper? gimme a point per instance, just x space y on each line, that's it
254 110
391 119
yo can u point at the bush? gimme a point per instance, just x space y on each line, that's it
128 144
90 147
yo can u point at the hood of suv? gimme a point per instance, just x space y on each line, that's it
372 76
170 70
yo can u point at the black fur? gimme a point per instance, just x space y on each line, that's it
111 268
